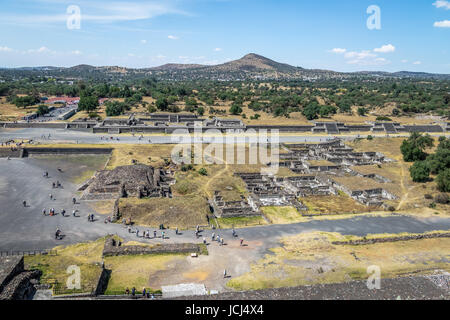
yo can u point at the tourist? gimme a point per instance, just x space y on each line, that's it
221 241
213 236
242 242
63 212
127 291
74 201
25 203
144 292
51 196
154 234
162 235
133 291
44 212
204 240
176 231
73 212
224 273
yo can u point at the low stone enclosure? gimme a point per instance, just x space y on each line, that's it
27 152
115 248
168 123
139 181
393 239
16 283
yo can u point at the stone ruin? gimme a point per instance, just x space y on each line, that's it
138 181
327 156
228 209
16 283
264 190
315 163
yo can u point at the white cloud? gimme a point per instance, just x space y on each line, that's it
5 49
365 57
40 50
442 24
339 50
172 37
442 4
143 41
218 49
160 56
385 49
100 12
417 63
404 61
77 52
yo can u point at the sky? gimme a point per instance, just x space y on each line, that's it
344 35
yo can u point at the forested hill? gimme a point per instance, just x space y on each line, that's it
250 67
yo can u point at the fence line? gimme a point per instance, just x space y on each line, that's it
28 253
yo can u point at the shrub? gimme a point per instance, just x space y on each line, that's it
420 171
203 172
441 198
443 181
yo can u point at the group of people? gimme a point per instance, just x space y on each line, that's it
145 293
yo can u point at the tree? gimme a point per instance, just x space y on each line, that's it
236 109
413 148
311 111
88 103
116 108
362 111
420 171
201 111
443 181
42 109
325 111
162 104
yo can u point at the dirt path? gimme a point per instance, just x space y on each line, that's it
405 190
206 188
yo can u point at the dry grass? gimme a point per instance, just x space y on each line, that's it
87 256
340 204
136 271
183 212
241 222
311 258
282 215
9 112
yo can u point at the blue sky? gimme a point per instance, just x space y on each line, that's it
326 34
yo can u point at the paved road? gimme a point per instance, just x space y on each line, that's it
70 136
27 229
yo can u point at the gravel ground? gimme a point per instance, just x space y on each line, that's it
404 288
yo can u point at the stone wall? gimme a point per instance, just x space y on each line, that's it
66 151
112 248
21 287
393 239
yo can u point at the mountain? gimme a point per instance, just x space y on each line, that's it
250 67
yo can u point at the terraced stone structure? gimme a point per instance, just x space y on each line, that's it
136 181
